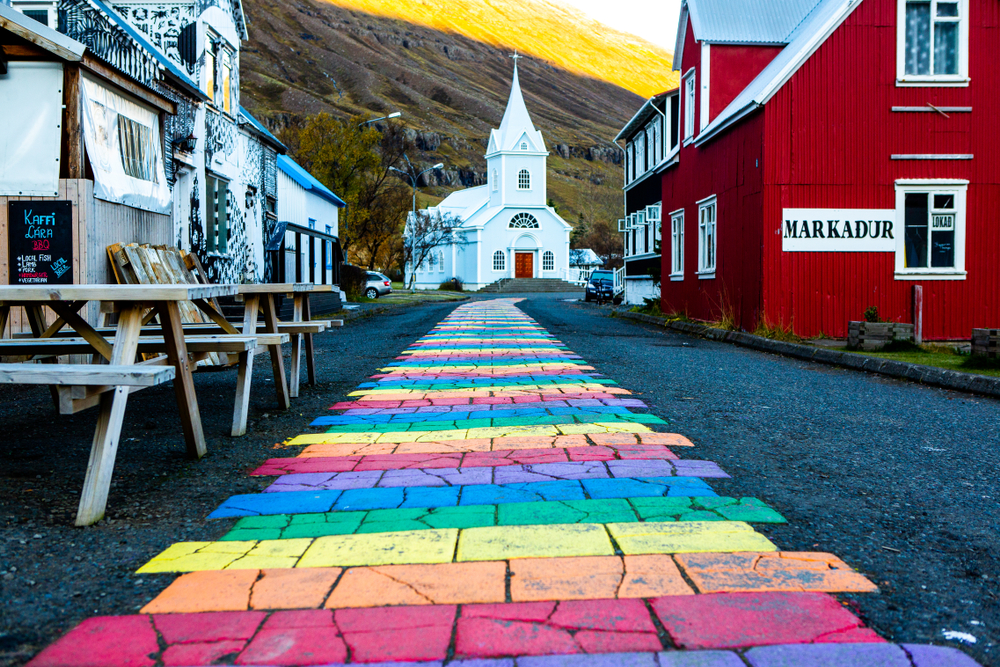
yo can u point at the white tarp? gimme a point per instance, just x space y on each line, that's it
30 128
123 142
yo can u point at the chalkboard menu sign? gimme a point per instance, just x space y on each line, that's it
41 242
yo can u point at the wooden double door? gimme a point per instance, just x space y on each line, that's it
524 265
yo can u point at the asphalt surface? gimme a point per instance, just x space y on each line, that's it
897 479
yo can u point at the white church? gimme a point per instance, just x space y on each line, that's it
506 228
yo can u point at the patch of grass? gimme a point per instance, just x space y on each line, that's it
937 357
650 307
779 331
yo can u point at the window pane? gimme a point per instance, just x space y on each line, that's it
944 201
947 9
918 38
946 48
943 249
916 230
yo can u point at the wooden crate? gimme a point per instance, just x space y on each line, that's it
876 335
986 343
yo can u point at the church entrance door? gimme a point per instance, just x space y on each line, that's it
524 266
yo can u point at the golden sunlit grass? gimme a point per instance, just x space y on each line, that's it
540 29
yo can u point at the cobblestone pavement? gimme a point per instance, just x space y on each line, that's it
490 499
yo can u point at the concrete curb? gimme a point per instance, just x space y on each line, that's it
935 377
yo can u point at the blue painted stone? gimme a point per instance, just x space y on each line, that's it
294 502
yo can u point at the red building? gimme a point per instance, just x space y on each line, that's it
834 155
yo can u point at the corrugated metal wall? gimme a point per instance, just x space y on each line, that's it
830 134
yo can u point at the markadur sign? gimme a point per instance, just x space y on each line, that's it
838 230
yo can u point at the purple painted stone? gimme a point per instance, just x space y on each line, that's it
593 660
571 470
583 402
625 402
518 475
925 655
699 659
358 412
641 468
457 476
489 662
410 477
828 655
687 468
308 479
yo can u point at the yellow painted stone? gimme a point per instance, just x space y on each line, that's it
431 436
553 541
272 554
402 548
505 431
196 556
688 537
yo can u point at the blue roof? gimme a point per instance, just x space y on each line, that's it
747 21
158 55
260 128
307 180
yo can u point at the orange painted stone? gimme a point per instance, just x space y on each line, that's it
646 576
444 583
287 589
774 571
230 592
595 577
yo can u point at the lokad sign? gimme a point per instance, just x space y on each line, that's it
838 230
41 242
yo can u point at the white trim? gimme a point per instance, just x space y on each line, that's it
677 272
706 275
931 156
961 79
930 109
688 106
704 270
705 72
958 188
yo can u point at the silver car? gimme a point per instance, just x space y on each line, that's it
377 285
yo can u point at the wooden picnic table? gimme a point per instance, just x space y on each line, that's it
134 304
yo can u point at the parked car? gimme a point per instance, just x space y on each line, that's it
600 286
377 285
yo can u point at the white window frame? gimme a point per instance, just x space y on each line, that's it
957 187
496 181
502 263
640 153
51 10
704 70
961 79
548 265
689 88
706 270
520 181
677 245
441 261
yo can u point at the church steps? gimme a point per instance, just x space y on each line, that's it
523 285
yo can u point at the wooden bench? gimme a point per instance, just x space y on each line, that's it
86 374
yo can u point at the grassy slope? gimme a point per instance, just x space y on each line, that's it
313 56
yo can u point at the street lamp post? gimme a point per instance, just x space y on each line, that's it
394 114
413 176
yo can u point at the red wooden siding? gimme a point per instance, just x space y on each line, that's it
825 140
733 67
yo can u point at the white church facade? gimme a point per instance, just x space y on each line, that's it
506 229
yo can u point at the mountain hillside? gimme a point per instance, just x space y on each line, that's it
308 56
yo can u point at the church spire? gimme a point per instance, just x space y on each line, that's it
516 120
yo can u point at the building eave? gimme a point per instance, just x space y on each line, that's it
40 35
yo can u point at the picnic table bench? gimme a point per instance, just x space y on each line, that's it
109 384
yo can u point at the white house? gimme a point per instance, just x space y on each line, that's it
308 218
506 230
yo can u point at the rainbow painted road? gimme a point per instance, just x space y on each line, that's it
488 500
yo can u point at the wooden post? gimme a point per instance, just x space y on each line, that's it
251 304
918 314
310 354
277 362
72 148
97 483
187 401
295 368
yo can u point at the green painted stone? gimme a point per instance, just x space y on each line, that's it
527 514
400 514
703 515
391 526
751 514
319 530
249 534
711 503
273 521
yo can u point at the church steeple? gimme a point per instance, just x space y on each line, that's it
516 126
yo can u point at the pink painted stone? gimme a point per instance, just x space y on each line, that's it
122 641
201 653
295 646
735 620
397 633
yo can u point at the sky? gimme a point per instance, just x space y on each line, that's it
654 20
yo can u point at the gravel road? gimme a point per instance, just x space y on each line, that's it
897 479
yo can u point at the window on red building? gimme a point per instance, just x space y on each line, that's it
933 42
706 237
931 242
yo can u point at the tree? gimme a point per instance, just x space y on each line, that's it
354 159
598 226
426 231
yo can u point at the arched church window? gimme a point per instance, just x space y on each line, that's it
523 221
499 261
440 260
523 180
548 261
524 145
496 181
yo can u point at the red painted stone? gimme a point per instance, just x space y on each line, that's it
495 638
126 641
396 634
200 653
614 615
295 646
517 611
617 642
735 620
208 627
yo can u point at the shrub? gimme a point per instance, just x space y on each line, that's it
871 315
352 281
779 331
453 285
